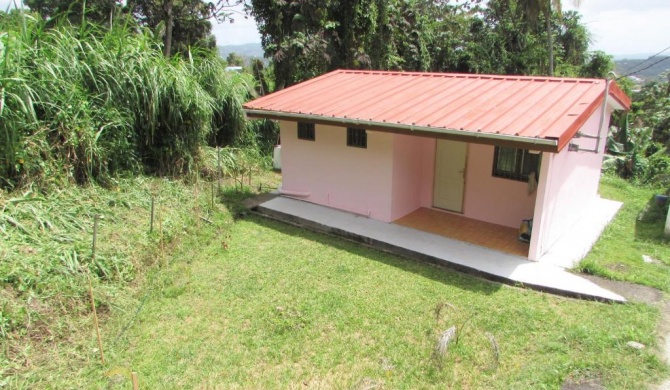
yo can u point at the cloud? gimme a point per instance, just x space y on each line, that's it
7 4
242 30
626 27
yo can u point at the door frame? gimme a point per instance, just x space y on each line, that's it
465 182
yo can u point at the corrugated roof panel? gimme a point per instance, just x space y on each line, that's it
515 107
552 110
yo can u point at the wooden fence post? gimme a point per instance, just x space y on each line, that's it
218 167
95 235
151 226
95 317
136 385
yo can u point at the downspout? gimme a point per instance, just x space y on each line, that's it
603 114
604 109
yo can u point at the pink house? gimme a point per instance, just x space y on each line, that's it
497 149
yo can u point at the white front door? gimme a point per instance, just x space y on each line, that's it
449 175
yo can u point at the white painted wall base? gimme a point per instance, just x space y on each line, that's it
577 241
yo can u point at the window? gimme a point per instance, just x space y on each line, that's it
515 164
306 131
357 138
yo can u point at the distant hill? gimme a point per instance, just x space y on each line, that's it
247 50
654 72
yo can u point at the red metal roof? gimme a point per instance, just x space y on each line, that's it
536 112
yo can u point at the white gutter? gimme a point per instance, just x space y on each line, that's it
437 130
603 114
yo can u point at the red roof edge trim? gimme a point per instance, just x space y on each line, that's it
565 138
617 93
614 92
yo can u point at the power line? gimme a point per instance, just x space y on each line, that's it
631 72
645 68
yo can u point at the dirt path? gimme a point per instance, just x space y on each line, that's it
637 293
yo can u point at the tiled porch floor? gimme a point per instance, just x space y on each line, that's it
489 235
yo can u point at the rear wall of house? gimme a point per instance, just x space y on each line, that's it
492 199
328 172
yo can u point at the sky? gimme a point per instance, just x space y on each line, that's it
618 27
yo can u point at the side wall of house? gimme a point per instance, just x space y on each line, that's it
413 165
571 185
328 172
492 199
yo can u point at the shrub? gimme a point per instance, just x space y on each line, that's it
81 104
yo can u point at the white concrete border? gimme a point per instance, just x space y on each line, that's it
431 247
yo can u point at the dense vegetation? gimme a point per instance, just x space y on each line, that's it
85 103
639 139
104 95
305 39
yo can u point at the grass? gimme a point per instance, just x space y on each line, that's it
267 305
245 302
618 252
45 256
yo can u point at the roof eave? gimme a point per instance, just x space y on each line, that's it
616 98
479 137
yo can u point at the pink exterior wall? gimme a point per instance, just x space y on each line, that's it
336 175
568 184
492 199
395 174
413 165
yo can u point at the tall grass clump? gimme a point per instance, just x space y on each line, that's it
83 103
230 91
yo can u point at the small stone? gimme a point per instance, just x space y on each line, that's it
647 259
635 345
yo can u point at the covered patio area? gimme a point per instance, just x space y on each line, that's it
424 246
489 235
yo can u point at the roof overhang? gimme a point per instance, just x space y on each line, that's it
477 137
535 113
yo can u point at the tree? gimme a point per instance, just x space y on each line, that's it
293 35
260 75
182 23
598 65
97 11
530 12
234 59
413 35
305 39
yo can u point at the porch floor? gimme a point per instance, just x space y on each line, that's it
489 235
420 245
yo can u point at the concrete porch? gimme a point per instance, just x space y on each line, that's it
458 227
424 246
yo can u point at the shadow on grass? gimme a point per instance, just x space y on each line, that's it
233 198
441 274
650 223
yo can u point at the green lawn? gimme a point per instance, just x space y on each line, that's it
210 301
272 306
618 253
